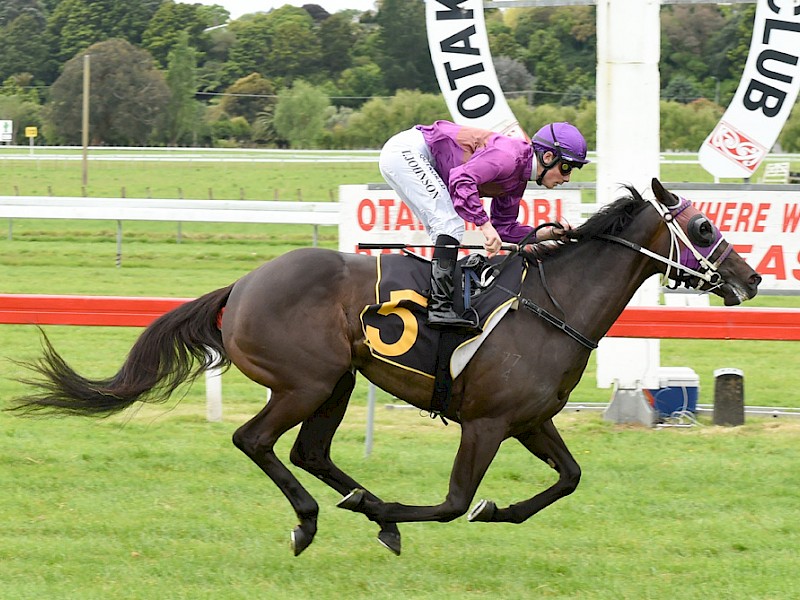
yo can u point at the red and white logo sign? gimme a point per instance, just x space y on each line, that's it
736 146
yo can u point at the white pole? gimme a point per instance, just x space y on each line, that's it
628 151
85 117
370 420
213 394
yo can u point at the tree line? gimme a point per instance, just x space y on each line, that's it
167 73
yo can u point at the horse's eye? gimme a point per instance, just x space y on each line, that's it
701 231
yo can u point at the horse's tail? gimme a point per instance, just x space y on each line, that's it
175 349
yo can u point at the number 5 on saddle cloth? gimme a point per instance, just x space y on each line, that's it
395 326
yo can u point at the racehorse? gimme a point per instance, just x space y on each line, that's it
293 326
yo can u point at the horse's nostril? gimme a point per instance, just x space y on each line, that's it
755 279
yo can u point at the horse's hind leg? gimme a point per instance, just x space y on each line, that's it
480 441
257 439
546 443
312 452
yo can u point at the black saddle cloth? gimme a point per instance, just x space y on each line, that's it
395 326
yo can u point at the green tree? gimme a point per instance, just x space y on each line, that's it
182 109
263 130
403 44
126 20
18 107
282 45
75 24
685 126
295 50
381 118
249 50
248 97
501 37
561 48
739 41
71 28
23 47
11 9
168 21
360 83
512 75
214 15
337 36
127 96
20 85
300 114
216 72
681 88
686 33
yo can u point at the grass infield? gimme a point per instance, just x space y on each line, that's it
159 504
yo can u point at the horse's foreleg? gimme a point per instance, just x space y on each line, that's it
257 439
312 452
480 441
546 443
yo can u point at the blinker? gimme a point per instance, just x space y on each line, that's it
700 231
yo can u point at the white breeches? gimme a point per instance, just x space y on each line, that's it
407 165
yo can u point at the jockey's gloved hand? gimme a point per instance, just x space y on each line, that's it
559 232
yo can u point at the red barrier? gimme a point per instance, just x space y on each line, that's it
31 309
708 323
732 323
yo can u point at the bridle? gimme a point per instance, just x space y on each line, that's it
709 240
692 266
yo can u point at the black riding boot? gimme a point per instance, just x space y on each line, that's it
440 305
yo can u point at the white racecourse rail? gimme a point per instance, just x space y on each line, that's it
133 209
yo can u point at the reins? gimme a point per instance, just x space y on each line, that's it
550 317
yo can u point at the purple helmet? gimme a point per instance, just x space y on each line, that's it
564 139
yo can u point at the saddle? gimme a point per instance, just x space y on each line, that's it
395 326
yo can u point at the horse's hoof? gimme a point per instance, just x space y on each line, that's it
391 541
300 540
483 512
352 501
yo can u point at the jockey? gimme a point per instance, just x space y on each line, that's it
442 170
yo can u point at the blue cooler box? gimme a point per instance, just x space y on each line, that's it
678 390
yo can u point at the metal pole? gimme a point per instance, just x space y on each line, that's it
85 125
119 243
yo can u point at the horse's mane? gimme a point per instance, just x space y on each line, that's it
612 219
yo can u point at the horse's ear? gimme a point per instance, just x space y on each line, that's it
663 195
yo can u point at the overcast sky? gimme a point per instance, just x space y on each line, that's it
237 8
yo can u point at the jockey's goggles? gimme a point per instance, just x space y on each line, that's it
565 167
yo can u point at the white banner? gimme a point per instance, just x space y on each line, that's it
462 60
765 97
378 216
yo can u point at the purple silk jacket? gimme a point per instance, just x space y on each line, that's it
476 162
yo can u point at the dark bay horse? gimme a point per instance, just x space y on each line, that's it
293 326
